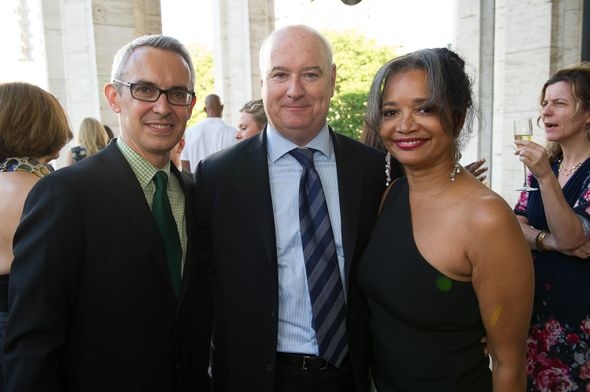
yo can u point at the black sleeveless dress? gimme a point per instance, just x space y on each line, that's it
426 328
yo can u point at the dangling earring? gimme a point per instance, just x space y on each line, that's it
387 169
456 167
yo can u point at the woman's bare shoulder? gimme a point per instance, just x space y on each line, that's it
484 212
16 183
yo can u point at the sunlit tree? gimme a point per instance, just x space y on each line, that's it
204 78
357 59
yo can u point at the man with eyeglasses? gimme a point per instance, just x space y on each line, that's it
106 293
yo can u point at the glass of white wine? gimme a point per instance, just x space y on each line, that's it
523 130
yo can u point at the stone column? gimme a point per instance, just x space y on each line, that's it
81 38
116 22
477 19
240 26
530 41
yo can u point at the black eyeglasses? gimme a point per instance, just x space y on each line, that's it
147 93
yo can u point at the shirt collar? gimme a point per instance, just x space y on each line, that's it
144 171
278 145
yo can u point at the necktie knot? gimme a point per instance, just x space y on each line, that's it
304 156
161 180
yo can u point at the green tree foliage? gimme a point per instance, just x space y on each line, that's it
204 78
357 59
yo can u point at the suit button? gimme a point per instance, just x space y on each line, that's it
273 314
269 367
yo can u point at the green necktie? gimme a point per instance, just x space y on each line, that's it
167 226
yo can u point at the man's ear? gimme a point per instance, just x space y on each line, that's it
333 79
110 93
190 109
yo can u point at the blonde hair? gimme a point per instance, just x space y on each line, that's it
92 135
256 109
32 122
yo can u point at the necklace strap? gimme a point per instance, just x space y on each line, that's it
24 164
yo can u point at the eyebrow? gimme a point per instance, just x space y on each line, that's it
152 84
415 101
285 69
556 99
314 68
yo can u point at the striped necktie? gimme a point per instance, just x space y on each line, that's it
167 225
321 263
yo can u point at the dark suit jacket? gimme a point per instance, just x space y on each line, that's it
90 299
236 234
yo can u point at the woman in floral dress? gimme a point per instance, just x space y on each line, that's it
555 219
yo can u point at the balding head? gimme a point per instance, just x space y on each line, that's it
297 81
289 32
213 106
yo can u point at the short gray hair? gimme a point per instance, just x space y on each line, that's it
152 41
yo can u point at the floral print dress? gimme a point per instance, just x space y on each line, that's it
559 336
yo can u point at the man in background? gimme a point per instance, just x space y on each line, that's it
210 135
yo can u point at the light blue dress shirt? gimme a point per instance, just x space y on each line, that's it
295 333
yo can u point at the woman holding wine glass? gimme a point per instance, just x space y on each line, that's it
556 222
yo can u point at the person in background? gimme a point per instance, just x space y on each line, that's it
106 293
555 220
447 262
210 135
251 193
252 119
175 158
92 137
31 136
110 134
478 169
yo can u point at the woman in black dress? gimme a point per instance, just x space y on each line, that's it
447 262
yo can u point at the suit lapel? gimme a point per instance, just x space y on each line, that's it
189 214
259 190
350 185
130 198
